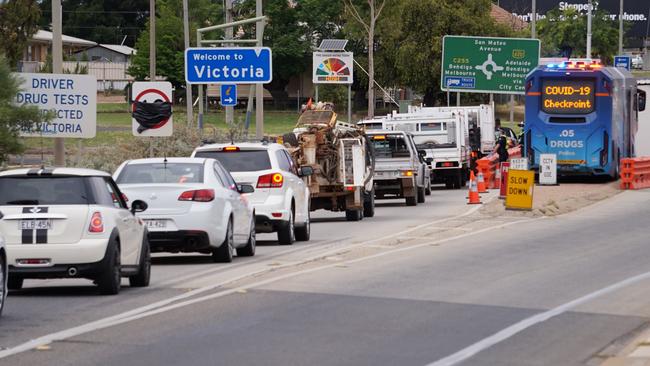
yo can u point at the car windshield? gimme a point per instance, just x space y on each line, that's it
158 173
390 146
241 160
51 190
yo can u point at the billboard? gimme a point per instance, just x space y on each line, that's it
634 11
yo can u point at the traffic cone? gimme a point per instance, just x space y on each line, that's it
481 183
474 199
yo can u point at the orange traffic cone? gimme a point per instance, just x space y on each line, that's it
481 183
474 199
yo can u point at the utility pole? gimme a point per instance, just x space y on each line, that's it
259 101
620 29
57 68
533 22
152 40
230 111
589 11
188 86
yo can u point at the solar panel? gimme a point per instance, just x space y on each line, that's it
333 44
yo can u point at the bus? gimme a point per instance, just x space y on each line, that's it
584 113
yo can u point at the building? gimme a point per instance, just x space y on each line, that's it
39 45
106 53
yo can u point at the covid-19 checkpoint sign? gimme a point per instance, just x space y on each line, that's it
151 109
71 98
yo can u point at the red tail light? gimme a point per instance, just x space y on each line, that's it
200 195
273 180
96 223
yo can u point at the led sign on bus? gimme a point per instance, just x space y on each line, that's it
567 96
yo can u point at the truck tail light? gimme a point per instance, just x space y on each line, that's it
199 195
272 180
407 173
96 223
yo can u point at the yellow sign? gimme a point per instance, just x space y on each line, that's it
520 189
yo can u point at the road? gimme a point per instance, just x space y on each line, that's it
433 285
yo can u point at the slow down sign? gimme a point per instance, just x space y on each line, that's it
520 189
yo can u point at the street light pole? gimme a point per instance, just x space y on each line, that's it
188 86
230 111
57 68
152 40
259 92
533 22
620 29
589 10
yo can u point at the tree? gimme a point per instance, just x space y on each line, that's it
18 22
170 45
424 23
373 12
13 117
564 32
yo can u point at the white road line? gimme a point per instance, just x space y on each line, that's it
166 305
510 331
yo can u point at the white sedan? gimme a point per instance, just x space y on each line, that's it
194 205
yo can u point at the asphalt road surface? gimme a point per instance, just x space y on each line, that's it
430 285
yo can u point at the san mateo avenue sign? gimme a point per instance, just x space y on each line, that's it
487 64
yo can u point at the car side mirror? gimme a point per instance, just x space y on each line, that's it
641 96
429 160
305 171
138 206
422 153
245 188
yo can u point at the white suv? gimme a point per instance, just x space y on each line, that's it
281 198
63 223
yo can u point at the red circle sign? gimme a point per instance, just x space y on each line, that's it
154 91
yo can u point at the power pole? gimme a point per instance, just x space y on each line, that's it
152 40
259 95
589 11
230 111
57 68
533 22
620 29
188 86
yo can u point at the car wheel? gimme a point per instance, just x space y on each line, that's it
303 233
144 272
14 283
224 253
110 280
249 249
286 233
369 204
3 282
421 195
411 201
353 215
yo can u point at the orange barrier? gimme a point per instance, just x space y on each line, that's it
489 165
635 173
514 152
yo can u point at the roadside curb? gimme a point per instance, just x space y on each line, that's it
636 353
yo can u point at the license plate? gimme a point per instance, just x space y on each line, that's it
36 225
156 224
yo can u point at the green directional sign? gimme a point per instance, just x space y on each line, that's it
487 64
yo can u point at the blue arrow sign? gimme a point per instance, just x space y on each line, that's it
228 95
623 62
239 65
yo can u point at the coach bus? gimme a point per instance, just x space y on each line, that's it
584 113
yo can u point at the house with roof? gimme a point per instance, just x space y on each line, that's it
40 44
106 53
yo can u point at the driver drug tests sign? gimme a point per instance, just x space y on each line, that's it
520 189
487 64
72 99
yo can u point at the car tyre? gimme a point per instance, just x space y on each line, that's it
411 201
3 282
421 195
303 233
143 277
110 280
286 232
353 215
224 253
369 204
14 283
249 249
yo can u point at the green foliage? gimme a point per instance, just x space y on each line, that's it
424 23
565 32
13 117
47 67
18 21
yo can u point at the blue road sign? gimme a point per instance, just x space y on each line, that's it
238 65
460 82
228 95
624 62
